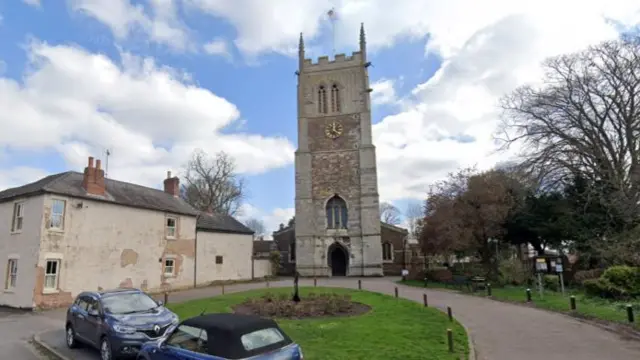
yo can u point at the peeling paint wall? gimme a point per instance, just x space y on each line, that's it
23 246
236 251
107 246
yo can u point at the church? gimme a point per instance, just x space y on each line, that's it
337 229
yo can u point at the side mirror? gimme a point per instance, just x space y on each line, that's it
160 302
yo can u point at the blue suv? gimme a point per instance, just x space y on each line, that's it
116 322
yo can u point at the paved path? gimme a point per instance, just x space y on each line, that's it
499 331
17 329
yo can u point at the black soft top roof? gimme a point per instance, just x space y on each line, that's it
225 330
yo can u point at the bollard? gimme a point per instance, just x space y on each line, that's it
450 339
424 300
315 282
449 313
166 298
572 302
222 288
528 295
359 284
630 316
488 289
396 290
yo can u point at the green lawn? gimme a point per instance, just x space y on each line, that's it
393 329
555 301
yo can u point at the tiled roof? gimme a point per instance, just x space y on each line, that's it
222 223
118 192
262 246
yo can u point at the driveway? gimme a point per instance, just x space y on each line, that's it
17 328
499 331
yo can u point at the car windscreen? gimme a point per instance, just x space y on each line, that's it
261 338
128 303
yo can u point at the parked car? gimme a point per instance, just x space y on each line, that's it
116 322
223 337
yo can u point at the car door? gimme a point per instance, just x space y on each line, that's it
93 322
79 312
185 343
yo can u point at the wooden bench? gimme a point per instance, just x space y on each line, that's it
478 282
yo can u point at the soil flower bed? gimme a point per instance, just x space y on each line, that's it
311 306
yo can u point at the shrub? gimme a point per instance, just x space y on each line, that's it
604 289
439 274
551 282
281 305
581 276
624 278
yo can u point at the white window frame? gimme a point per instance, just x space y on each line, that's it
12 274
62 216
172 267
55 276
18 214
173 229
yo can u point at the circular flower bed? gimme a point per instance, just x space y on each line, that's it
310 306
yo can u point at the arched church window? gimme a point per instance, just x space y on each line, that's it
335 98
337 216
387 252
322 100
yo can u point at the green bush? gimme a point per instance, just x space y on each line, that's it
438 274
625 278
551 282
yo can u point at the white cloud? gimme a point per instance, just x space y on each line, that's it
34 3
151 117
218 47
384 92
271 220
19 175
159 21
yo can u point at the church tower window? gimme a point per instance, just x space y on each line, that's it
337 216
335 98
322 100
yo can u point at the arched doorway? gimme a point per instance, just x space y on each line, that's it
338 259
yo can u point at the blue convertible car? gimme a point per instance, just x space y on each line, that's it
223 337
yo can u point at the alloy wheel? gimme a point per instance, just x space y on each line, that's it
105 350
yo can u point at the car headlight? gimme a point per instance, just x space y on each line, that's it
123 329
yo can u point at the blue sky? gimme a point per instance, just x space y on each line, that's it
64 63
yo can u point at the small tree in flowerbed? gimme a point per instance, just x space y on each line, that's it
274 259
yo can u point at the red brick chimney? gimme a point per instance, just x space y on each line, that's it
172 185
93 180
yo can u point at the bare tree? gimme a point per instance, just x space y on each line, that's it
414 214
212 183
584 120
389 213
256 225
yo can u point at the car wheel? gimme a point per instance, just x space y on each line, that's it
105 349
71 341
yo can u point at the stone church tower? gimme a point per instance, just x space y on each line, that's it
337 218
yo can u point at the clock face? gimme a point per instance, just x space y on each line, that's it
333 130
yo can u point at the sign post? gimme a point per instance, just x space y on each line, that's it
541 268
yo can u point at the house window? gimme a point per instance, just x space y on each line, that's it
171 227
56 220
292 252
335 98
337 216
218 259
322 100
18 215
52 270
12 274
169 267
387 252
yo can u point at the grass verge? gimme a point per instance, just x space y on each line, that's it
587 307
393 329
